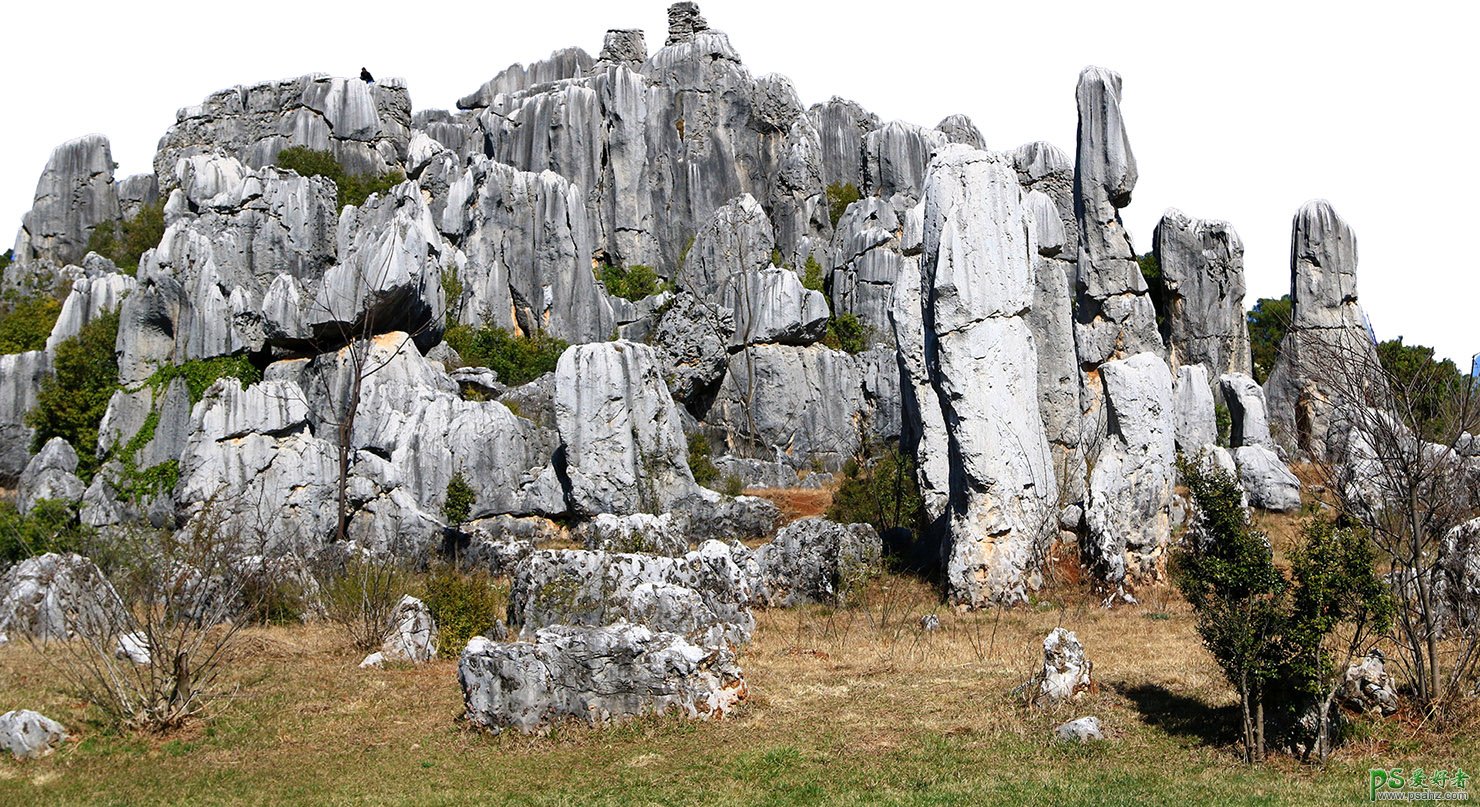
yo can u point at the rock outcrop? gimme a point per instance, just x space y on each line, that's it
1266 480
1202 268
596 674
983 367
1327 331
51 474
1193 411
30 735
816 560
74 195
53 596
1066 673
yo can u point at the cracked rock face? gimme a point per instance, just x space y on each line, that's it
52 596
413 633
704 594
1066 670
645 533
816 560
1269 484
51 474
978 283
1202 265
74 195
30 735
595 674
1327 326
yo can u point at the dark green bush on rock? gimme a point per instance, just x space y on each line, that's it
516 359
353 189
72 402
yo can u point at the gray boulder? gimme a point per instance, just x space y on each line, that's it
51 474
684 20
692 338
896 157
1248 415
959 129
620 431
771 305
55 596
583 587
1066 674
30 735
1131 485
21 375
1079 730
1202 266
596 674
1269 484
737 238
983 366
1367 686
413 633
816 560
90 298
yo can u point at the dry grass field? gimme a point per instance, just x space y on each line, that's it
846 706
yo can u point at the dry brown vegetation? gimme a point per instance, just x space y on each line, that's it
853 705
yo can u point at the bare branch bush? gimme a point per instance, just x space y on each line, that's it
1399 469
360 596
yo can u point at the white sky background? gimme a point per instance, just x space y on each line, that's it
1236 110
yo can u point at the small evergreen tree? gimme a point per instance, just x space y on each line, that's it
73 400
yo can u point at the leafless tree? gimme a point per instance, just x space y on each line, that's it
1399 469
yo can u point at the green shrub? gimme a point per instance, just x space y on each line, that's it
271 600
812 276
881 490
125 245
460 499
463 604
26 321
1429 387
7 259
1224 419
734 485
517 359
200 374
360 597
847 333
352 189
699 460
1269 319
73 400
634 282
452 291
1156 287
839 196
50 526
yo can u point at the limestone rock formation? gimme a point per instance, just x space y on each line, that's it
692 341
74 195
816 560
1248 414
639 533
923 430
53 596
1266 480
865 262
772 306
51 474
959 129
596 674
1193 413
583 587
30 735
1367 686
620 432
413 633
1079 730
1066 674
1131 485
366 126
1202 266
982 362
21 375
1327 329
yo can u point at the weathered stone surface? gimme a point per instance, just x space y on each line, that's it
959 129
684 20
1367 686
1459 563
51 474
737 238
816 560
691 339
563 64
412 634
583 587
74 195
644 533
1248 416
1269 484
1131 485
528 243
1079 730
1202 267
597 674
624 448
923 430
21 375
866 260
624 46
983 366
1193 411
791 404
365 126
389 274
896 156
1327 329
772 306
30 735
90 298
53 596
1066 672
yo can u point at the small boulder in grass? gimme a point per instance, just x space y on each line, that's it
930 623
1066 670
29 735
1080 730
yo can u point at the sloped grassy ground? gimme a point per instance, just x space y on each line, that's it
846 706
